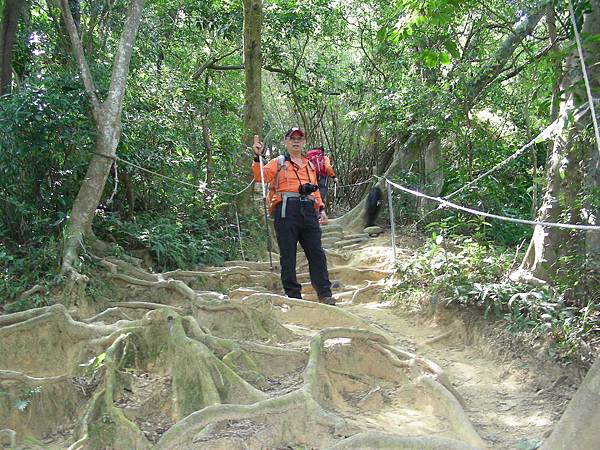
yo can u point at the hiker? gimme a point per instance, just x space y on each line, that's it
324 170
373 206
297 209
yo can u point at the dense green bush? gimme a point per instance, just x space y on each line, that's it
461 271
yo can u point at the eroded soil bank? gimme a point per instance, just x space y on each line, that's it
216 359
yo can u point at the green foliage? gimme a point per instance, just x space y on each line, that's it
463 272
458 270
173 242
39 161
25 267
22 403
360 76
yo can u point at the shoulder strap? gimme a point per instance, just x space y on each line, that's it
280 165
312 167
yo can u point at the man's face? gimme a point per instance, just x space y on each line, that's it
294 143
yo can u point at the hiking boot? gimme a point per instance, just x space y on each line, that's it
327 300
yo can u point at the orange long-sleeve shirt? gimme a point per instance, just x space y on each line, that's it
288 181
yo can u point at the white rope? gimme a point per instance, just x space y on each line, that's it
585 75
494 216
184 183
392 222
116 184
546 133
357 184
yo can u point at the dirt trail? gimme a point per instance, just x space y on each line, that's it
512 398
510 404
216 359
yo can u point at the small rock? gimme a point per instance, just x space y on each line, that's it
373 231
336 284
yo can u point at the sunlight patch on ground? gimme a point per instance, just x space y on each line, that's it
337 341
378 305
536 420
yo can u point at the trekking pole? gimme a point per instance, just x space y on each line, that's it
264 195
335 192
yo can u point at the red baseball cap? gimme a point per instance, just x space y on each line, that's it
292 131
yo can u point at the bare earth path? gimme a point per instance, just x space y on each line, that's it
512 399
216 359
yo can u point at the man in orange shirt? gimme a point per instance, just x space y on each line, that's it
297 209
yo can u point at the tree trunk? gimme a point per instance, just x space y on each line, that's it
253 114
129 194
524 26
591 211
404 157
8 31
433 175
578 427
90 192
206 137
208 148
107 117
571 155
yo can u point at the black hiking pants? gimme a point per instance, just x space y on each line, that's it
323 187
301 224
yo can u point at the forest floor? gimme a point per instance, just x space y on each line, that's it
273 372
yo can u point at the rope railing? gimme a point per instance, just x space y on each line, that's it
446 203
175 180
546 133
443 202
183 183
588 89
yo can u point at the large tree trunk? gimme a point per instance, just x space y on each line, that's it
524 26
591 211
107 115
253 114
90 192
8 31
578 427
572 171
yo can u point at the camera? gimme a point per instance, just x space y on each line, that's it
307 188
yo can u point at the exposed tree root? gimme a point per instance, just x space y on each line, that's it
376 441
12 438
368 293
21 377
438 338
193 369
453 411
311 314
149 305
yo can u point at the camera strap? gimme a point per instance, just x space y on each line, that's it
287 195
296 167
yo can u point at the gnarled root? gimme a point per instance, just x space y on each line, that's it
11 435
374 440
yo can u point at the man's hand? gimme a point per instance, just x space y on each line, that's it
322 217
257 147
